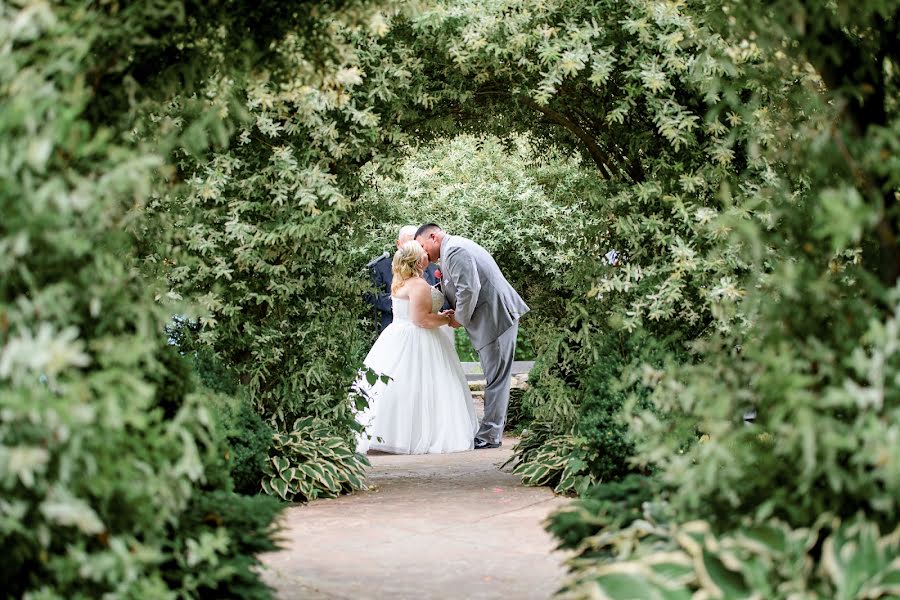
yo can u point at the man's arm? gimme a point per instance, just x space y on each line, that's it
464 273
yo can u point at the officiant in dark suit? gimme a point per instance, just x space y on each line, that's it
381 275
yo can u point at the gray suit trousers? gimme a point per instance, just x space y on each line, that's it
496 361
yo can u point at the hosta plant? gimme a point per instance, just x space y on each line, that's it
832 559
312 461
556 460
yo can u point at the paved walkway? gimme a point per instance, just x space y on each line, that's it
518 366
473 369
430 527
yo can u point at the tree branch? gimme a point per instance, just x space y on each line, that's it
597 154
631 165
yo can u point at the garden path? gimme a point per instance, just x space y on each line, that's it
429 527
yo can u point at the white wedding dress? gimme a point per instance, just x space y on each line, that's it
426 406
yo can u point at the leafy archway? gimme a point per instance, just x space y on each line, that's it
285 186
208 161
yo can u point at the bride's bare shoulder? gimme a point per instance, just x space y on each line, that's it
413 286
417 286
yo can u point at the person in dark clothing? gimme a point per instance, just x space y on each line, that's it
381 276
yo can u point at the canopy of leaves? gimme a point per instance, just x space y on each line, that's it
215 160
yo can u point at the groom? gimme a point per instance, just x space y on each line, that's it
489 308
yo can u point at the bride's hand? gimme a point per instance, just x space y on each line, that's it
451 319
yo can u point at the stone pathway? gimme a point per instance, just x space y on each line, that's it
473 370
430 527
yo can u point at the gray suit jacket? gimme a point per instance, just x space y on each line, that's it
486 305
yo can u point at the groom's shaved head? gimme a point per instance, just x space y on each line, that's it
429 237
427 228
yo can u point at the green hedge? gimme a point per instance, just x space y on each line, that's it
215 544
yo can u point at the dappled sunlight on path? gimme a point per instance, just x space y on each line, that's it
430 526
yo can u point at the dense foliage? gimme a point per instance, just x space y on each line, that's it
248 440
741 158
215 543
110 469
801 335
752 201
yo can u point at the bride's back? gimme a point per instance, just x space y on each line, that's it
402 296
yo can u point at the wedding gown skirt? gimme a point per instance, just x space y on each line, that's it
426 406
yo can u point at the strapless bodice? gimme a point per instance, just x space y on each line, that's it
401 305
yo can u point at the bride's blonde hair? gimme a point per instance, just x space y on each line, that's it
406 263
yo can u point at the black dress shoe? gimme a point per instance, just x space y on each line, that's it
483 445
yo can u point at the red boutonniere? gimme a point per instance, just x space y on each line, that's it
437 274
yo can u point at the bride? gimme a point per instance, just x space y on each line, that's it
426 406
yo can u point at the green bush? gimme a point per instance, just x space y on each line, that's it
212 372
603 508
248 439
244 436
601 424
833 559
517 414
581 434
803 503
616 386
216 542
102 447
171 378
312 461
84 518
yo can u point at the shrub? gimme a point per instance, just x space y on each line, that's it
87 520
312 461
831 559
216 542
517 413
551 399
102 449
212 372
581 435
804 502
604 507
243 435
171 378
606 435
248 439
